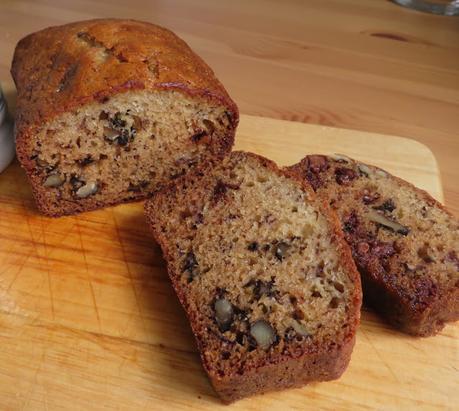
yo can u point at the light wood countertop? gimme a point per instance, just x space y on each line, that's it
357 64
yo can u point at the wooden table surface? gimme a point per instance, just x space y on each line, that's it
360 64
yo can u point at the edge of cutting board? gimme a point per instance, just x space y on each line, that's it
254 133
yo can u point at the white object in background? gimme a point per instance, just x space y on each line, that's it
6 136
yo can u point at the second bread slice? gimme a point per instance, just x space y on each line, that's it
262 270
405 244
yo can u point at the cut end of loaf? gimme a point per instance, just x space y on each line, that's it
122 149
263 275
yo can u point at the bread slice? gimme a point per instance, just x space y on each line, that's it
110 110
405 244
263 272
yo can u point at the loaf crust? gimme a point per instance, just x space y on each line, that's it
287 364
61 69
410 272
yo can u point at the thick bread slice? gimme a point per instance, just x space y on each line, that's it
263 272
405 244
110 110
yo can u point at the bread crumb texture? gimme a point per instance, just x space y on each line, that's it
259 268
405 243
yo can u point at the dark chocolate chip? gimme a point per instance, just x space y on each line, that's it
85 161
226 355
197 136
298 314
351 223
388 205
317 164
75 182
344 176
253 246
190 265
369 198
280 250
334 302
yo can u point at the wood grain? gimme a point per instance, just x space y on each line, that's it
357 64
89 320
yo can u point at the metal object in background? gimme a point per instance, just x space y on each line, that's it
6 135
445 8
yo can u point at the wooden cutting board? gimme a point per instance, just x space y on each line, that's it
89 321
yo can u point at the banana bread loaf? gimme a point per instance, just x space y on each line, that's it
405 244
263 272
110 110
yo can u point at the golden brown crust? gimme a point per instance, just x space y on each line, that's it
293 368
394 282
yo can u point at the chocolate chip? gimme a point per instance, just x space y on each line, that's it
253 246
221 188
280 250
261 288
317 164
198 135
240 338
338 286
103 115
226 355
314 166
191 265
388 205
369 198
117 121
85 161
351 223
210 126
320 270
344 176
334 302
75 182
298 314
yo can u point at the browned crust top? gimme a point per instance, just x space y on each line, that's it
61 68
